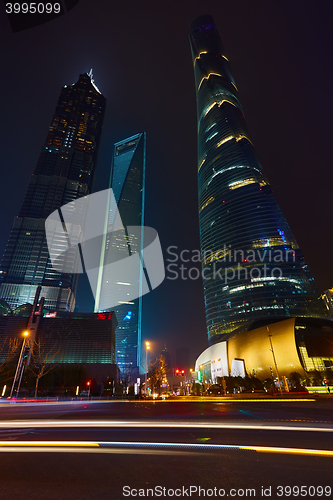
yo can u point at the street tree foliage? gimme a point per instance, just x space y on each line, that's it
157 372
9 350
126 375
296 380
314 377
43 360
240 383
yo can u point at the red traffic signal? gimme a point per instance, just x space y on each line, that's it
183 372
88 383
177 371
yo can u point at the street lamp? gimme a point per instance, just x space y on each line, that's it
190 382
202 372
272 351
147 348
18 368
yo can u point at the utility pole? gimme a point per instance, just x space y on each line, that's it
19 366
272 350
33 323
146 370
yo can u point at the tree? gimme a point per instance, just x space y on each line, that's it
253 383
157 373
314 377
269 384
126 376
68 376
296 380
9 350
328 374
231 383
42 360
196 388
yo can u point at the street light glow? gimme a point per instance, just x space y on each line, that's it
19 368
146 370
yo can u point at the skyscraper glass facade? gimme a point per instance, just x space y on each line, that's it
128 185
64 172
252 266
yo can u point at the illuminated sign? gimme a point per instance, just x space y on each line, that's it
51 315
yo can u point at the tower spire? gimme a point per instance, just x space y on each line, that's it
90 74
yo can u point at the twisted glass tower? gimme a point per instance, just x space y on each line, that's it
251 263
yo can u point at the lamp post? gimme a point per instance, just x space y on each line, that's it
18 368
275 363
203 376
147 348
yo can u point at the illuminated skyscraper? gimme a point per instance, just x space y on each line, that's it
128 185
251 262
64 172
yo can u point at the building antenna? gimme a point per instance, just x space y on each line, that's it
90 74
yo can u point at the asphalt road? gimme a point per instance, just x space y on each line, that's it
116 450
314 410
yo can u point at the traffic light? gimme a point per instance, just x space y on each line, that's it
88 383
183 372
177 372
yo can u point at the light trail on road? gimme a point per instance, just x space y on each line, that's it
72 446
218 400
51 424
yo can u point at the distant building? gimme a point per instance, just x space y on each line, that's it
251 263
128 185
83 338
86 339
64 172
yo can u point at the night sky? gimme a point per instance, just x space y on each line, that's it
281 58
